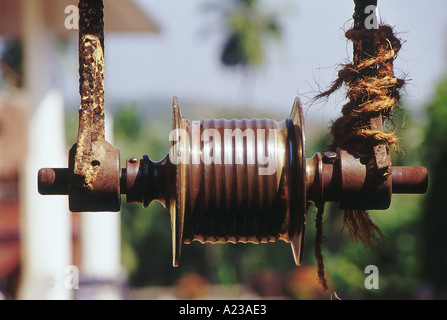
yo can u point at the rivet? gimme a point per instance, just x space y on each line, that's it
329 157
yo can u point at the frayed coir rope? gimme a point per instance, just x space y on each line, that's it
373 91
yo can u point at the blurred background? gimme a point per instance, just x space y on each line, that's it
231 59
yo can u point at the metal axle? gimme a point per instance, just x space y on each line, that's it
237 181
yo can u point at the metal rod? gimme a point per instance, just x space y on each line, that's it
409 180
365 47
91 81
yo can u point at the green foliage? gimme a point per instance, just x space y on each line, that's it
399 256
135 133
434 220
248 29
396 257
128 123
11 63
436 133
410 131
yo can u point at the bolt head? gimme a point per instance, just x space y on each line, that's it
329 157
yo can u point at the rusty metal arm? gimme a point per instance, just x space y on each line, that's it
92 180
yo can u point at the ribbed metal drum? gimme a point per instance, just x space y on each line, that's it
238 181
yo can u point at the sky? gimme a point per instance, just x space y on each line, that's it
183 60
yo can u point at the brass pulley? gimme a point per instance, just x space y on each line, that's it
253 184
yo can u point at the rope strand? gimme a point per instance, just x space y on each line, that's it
318 244
373 91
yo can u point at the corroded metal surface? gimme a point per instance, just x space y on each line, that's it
53 181
94 182
91 80
409 179
91 112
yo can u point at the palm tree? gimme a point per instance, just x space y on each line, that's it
247 27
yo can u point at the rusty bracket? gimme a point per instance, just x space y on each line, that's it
94 164
349 180
92 180
376 168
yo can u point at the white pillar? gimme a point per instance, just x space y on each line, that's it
101 246
102 274
101 269
45 221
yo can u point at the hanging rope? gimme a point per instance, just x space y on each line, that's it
373 91
318 244
373 94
